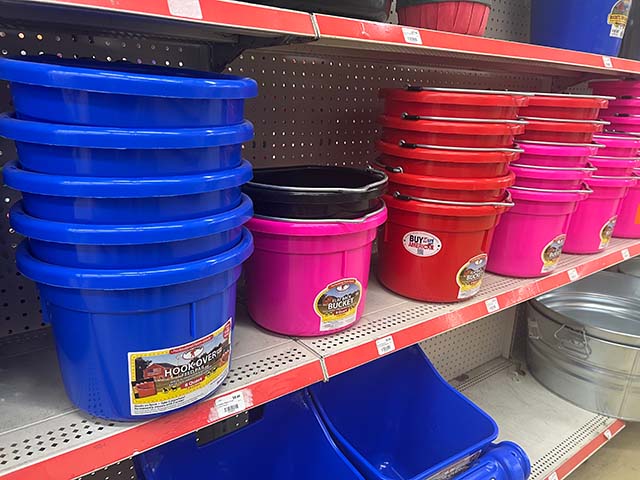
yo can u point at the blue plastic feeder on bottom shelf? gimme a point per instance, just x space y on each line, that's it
133 344
86 92
131 246
96 200
283 440
124 152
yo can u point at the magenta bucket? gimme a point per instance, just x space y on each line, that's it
618 145
556 155
529 239
553 178
624 124
310 278
628 224
614 166
592 225
624 106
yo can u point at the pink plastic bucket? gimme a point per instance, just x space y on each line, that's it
618 145
628 224
624 124
592 225
616 88
614 166
309 278
528 240
625 106
555 155
554 178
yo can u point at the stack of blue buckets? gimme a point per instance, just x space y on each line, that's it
132 207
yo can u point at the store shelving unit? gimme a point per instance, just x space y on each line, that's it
319 77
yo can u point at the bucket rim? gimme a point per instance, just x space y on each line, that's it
452 127
441 209
475 98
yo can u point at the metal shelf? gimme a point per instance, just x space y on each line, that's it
42 436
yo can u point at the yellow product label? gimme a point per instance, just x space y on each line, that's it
167 379
551 253
469 277
618 18
337 304
606 232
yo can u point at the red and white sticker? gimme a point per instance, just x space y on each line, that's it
573 274
492 305
607 61
385 345
421 244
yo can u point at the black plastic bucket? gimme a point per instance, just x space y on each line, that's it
316 192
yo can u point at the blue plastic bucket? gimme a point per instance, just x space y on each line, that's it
283 440
427 426
124 152
595 26
121 94
121 201
120 334
131 246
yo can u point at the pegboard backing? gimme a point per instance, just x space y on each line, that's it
510 20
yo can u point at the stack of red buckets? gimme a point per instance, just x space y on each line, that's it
554 181
447 154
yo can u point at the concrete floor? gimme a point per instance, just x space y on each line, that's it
618 460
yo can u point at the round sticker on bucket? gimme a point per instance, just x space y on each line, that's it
469 277
421 244
618 18
551 253
606 232
337 304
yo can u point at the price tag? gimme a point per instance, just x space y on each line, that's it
607 434
230 404
385 345
411 35
625 254
185 8
553 476
492 305
607 61
573 274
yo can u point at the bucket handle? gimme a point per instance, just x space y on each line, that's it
404 144
406 116
541 167
506 203
417 88
388 168
585 189
566 120
574 342
366 189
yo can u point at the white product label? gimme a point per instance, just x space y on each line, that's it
185 8
421 244
385 345
553 476
607 61
617 31
573 275
551 254
164 380
607 434
492 305
470 275
626 255
337 304
230 404
411 35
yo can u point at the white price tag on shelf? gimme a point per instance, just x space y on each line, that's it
230 404
385 345
185 8
492 305
411 35
607 434
625 254
553 476
607 61
573 274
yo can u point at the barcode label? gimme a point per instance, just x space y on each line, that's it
230 404
607 434
625 254
607 61
573 274
492 305
385 345
411 35
553 476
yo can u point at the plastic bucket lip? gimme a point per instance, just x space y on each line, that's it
451 183
552 173
479 98
449 154
569 101
447 210
296 228
623 120
599 181
104 187
418 88
452 127
563 120
535 143
557 149
509 121
623 160
407 147
138 234
561 125
118 279
617 140
547 195
122 138
553 169
125 78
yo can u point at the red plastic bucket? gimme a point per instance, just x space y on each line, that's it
624 124
618 145
455 103
448 161
561 131
450 132
572 107
553 178
449 188
592 224
624 106
614 166
616 88
530 237
628 224
436 252
556 154
469 18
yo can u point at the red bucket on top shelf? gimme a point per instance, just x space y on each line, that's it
450 131
561 106
618 145
467 17
561 130
452 102
458 162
